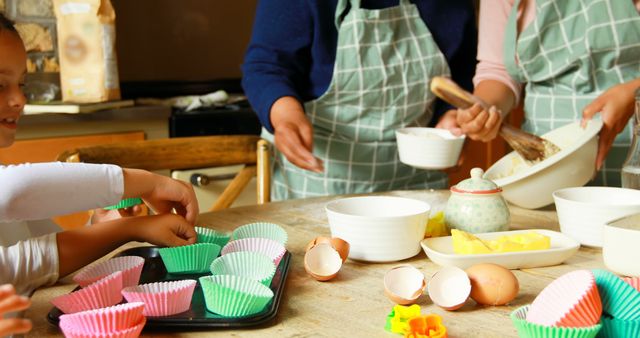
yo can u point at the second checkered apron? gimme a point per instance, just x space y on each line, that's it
571 53
385 60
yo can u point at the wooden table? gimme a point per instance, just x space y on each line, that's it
353 304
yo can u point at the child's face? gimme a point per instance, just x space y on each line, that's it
13 61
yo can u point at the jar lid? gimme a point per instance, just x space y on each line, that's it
476 184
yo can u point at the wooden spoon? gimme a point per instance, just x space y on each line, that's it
531 147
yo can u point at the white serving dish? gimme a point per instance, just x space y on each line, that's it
428 148
583 211
440 251
531 186
621 245
379 228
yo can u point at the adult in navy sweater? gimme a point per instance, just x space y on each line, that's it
331 81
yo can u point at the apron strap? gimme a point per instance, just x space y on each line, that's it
510 45
343 5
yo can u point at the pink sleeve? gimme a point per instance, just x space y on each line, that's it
493 22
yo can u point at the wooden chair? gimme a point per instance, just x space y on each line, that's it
189 153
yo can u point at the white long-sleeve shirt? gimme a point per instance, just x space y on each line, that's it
38 191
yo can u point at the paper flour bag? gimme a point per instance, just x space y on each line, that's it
86 48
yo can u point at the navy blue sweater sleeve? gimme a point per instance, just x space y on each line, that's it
293 46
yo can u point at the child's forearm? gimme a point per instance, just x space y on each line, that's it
79 247
496 93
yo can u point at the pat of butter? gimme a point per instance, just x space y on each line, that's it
466 244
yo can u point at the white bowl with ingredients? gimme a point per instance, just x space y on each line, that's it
584 211
531 186
428 148
620 248
379 228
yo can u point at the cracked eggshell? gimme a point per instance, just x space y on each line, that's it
449 288
322 262
492 284
404 284
339 244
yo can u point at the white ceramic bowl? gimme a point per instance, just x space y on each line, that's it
583 211
531 186
621 245
379 228
428 148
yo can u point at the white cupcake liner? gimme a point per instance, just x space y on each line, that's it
162 298
131 267
103 293
253 265
109 319
261 230
269 247
71 331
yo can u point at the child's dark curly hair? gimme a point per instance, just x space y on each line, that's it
6 24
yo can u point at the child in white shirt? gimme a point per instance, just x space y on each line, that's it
43 190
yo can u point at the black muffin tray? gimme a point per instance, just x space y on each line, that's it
197 317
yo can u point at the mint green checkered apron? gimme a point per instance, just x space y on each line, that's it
570 54
384 62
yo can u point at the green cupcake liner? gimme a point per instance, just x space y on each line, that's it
619 299
532 330
617 328
253 265
195 258
125 203
234 296
206 235
262 230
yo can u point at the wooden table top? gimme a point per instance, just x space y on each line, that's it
354 302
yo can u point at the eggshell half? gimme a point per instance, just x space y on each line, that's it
404 284
317 240
449 288
492 284
341 246
322 262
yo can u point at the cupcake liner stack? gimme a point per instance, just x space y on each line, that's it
124 320
581 304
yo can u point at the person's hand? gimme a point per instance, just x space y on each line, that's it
294 134
102 215
164 230
11 302
449 121
161 193
479 124
616 106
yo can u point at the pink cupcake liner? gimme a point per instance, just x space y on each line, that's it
71 331
269 247
633 281
162 298
109 319
131 267
572 300
103 293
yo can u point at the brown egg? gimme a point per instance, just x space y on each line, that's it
322 262
492 284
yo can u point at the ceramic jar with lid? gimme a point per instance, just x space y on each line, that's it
476 205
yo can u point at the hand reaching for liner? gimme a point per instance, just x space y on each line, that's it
11 302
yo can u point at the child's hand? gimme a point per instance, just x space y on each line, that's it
165 230
449 121
479 124
10 302
616 106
